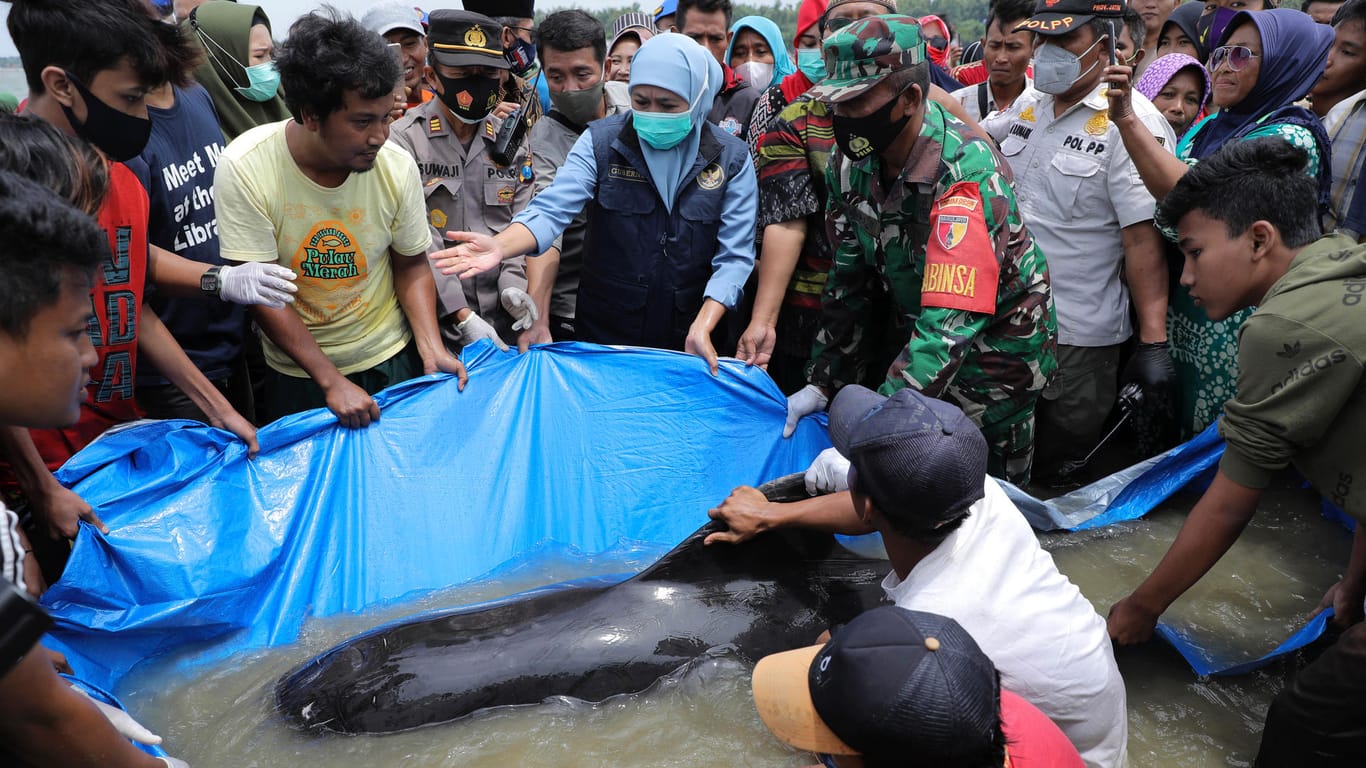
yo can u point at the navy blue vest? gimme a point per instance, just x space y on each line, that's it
644 268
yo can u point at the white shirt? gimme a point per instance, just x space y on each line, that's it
1077 188
1047 641
971 98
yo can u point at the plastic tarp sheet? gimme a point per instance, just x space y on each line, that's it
574 445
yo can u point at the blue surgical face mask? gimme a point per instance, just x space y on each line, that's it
265 82
666 130
811 61
1057 69
662 130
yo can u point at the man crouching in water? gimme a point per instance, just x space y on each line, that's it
960 548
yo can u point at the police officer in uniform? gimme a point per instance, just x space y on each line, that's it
451 138
517 22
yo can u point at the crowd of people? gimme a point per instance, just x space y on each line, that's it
972 257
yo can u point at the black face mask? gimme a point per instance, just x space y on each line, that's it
470 98
118 135
860 137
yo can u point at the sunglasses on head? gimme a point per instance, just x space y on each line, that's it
1237 56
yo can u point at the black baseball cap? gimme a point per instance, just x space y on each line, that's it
517 9
921 460
465 39
891 682
1058 17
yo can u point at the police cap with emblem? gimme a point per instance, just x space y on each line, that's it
517 9
464 39
1058 17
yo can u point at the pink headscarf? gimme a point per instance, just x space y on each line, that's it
939 56
1161 71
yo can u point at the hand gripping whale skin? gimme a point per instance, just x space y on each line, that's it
775 592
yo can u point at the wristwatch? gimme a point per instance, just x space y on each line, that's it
208 282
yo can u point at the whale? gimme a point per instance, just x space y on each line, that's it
587 640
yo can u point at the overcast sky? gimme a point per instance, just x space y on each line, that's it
283 12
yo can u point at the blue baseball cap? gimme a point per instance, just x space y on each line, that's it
667 8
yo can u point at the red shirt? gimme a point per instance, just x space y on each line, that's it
1032 740
117 303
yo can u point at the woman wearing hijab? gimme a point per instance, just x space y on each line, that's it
671 201
1180 33
1265 62
1179 87
237 70
757 53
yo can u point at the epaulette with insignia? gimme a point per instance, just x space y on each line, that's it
488 130
433 124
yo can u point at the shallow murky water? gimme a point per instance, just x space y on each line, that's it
1260 593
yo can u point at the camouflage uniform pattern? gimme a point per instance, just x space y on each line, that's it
994 364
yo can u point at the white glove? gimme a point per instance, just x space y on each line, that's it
807 400
519 304
122 721
173 762
829 473
474 328
255 282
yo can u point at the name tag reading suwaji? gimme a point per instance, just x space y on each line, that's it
961 271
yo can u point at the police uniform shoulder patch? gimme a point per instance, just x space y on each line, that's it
488 130
711 177
434 124
1098 124
961 270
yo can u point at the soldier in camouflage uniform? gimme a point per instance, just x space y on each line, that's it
925 216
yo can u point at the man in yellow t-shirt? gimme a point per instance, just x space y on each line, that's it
323 194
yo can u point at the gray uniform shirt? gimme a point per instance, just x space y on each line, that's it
466 191
551 139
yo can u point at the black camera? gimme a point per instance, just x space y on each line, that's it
510 137
22 624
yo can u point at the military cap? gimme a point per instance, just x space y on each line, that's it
860 55
464 39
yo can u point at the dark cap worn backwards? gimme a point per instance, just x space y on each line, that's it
892 682
517 9
921 460
860 55
1058 17
464 39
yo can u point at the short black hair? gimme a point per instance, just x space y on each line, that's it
1007 11
1305 5
705 6
916 74
327 54
1248 181
41 237
86 37
1137 29
573 30
1352 10
64 164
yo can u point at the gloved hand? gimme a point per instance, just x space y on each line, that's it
255 282
1150 367
519 304
122 721
474 328
807 400
173 762
829 473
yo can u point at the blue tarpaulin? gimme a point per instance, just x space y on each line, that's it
570 444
